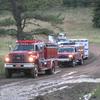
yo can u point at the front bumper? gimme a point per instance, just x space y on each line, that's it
19 65
64 60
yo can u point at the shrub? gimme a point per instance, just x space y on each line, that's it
45 16
96 17
11 32
4 32
4 12
27 36
79 3
42 31
7 22
49 17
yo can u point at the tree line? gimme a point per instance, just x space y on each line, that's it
79 3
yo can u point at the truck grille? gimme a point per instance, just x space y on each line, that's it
18 58
63 56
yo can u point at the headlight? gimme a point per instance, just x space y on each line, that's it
70 56
31 59
7 59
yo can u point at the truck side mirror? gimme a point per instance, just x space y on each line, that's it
75 50
10 47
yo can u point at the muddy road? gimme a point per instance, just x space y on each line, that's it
21 88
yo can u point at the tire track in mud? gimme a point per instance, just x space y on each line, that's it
31 89
91 59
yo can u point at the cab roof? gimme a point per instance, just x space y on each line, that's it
28 41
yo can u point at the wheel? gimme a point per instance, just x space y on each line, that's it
60 64
80 62
49 71
34 72
8 73
73 63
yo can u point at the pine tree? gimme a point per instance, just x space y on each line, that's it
96 17
19 8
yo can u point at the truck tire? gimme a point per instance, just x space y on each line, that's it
50 71
8 73
80 62
73 63
34 72
62 64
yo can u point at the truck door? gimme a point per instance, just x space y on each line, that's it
40 50
77 53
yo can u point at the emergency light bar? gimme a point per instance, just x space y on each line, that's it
70 43
28 41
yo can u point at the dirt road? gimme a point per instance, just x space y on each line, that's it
58 86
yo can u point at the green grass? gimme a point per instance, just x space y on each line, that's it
96 94
4 44
4 49
78 24
1 67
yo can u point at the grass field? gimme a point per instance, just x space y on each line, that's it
96 94
78 24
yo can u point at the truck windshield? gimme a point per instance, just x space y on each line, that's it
61 40
24 48
66 50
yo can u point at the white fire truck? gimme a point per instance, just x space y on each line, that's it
84 43
31 57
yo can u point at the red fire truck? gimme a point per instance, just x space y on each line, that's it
31 57
69 55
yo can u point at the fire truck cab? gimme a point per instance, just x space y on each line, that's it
31 57
69 55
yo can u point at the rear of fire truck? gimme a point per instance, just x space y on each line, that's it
30 57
